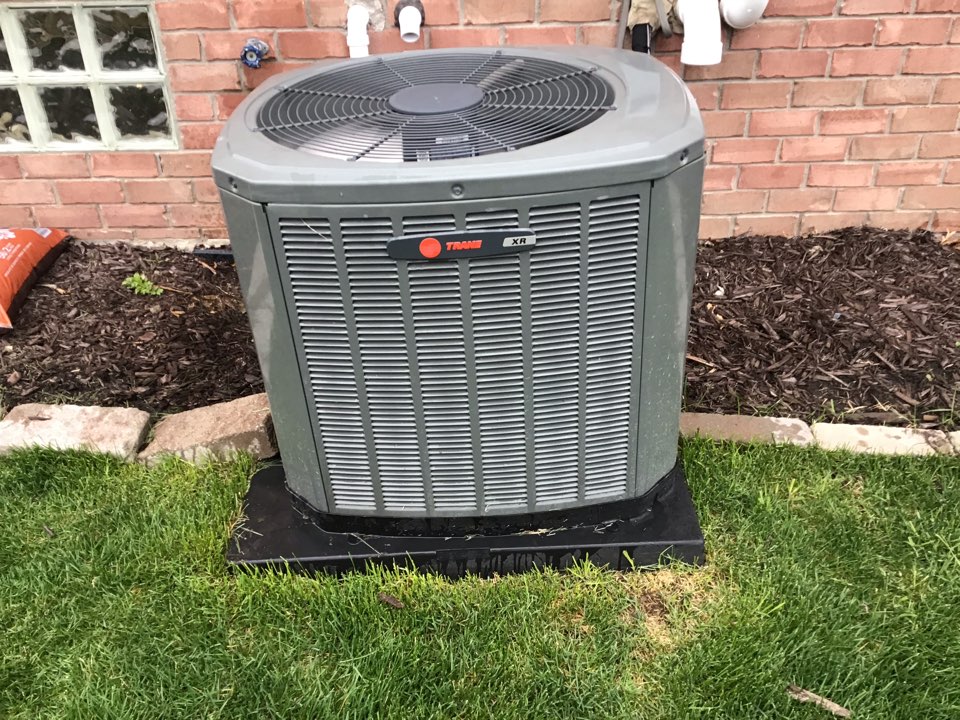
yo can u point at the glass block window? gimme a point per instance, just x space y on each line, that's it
79 75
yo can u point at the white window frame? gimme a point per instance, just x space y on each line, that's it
28 80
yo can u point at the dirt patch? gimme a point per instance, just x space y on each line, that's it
857 325
82 337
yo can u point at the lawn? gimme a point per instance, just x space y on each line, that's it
838 573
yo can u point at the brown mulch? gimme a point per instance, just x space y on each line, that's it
83 338
860 324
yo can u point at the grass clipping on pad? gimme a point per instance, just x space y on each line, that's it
832 572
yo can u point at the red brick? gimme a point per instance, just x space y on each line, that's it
872 61
822 222
127 164
931 198
793 63
924 119
898 91
224 45
867 199
206 190
227 103
852 122
194 107
182 46
932 60
807 199
813 149
914 173
946 220
187 15
768 35
731 203
745 95
67 217
113 235
208 215
133 215
771 176
874 7
185 164
672 61
826 93
9 167
719 177
18 216
948 91
26 192
706 94
333 13
799 8
783 225
955 33
200 136
839 33
451 37
54 165
938 6
310 44
884 147
952 175
165 190
724 124
735 65
204 77
542 35
602 35
162 234
913 31
574 10
255 78
496 12
269 13
840 175
436 12
739 151
389 41
715 228
899 220
783 122
73 192
946 145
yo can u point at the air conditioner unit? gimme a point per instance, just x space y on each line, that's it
469 274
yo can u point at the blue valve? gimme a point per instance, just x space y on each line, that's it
254 52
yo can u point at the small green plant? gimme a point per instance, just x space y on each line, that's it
141 285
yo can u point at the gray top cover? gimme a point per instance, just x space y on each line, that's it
647 127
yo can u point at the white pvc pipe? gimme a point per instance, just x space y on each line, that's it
702 44
358 41
409 22
740 14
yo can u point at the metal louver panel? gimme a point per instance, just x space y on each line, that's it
500 384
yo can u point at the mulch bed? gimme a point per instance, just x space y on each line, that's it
860 324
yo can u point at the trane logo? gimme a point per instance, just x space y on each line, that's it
465 245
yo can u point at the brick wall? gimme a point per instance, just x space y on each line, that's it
827 113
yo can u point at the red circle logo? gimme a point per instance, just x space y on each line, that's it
430 247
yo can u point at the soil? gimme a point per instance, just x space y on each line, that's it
861 325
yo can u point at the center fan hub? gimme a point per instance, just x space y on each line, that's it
435 98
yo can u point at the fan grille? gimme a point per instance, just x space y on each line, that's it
367 112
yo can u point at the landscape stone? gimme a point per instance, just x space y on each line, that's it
881 440
954 438
215 432
115 431
746 428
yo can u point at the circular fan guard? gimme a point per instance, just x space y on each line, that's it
368 112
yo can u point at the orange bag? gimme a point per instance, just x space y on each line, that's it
25 254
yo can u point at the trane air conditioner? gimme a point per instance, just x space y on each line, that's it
469 274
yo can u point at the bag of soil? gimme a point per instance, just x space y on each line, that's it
25 254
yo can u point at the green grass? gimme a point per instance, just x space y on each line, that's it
839 573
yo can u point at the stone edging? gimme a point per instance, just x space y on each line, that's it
222 430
